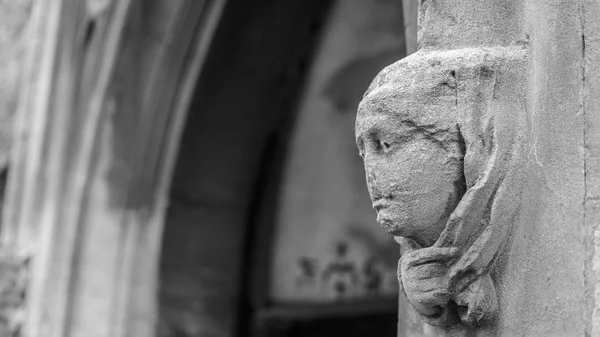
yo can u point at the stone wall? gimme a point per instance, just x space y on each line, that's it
548 277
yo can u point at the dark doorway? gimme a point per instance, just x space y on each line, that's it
219 227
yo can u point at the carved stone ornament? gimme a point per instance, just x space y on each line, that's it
13 284
442 136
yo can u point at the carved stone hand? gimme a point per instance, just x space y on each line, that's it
428 284
423 274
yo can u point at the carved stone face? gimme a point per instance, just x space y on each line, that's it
443 136
414 173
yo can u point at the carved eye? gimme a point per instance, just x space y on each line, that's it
382 146
377 144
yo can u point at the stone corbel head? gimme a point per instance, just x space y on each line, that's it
442 137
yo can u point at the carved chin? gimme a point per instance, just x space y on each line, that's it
388 224
394 223
400 229
406 227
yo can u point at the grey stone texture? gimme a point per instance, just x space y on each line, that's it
544 253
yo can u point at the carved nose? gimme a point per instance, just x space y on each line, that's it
379 203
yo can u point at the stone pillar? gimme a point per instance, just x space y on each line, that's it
542 57
104 97
16 34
